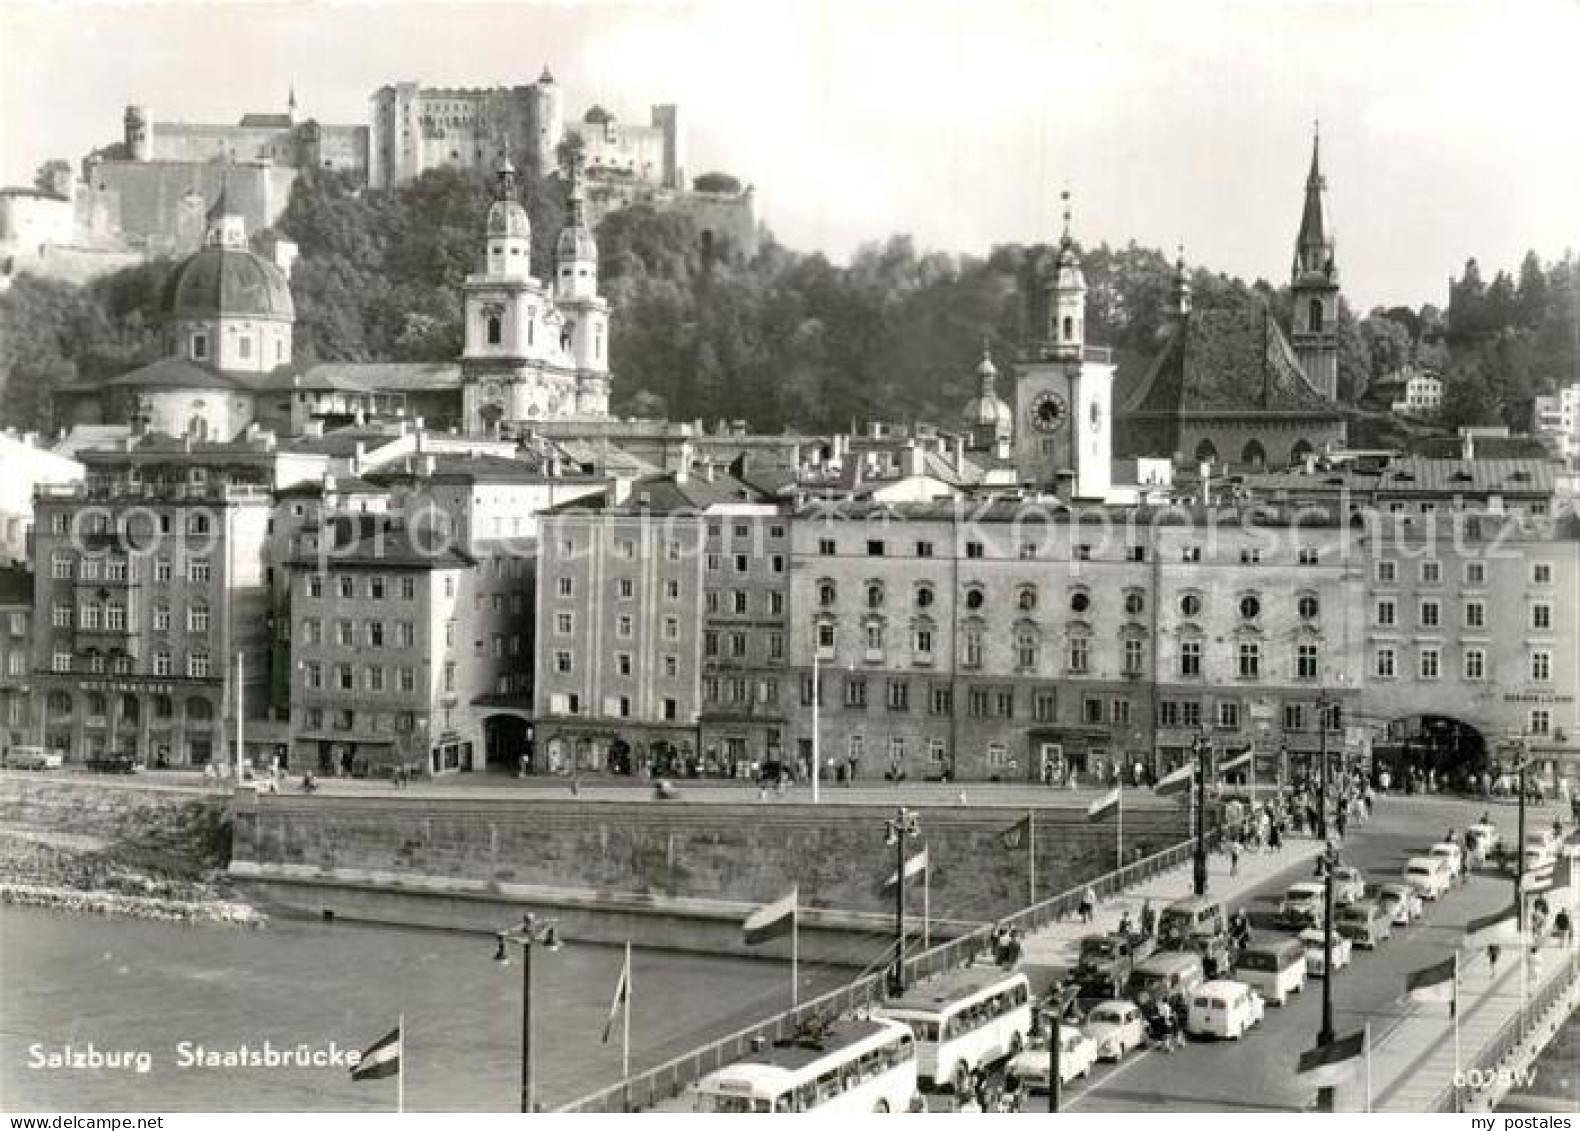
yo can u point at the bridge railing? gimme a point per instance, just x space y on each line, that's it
653 1086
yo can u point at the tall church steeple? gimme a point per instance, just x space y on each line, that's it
1314 284
1065 335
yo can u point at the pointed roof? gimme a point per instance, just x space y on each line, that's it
1314 244
1223 361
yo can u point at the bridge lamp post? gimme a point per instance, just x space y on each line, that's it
530 934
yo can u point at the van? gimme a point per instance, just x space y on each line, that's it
1427 874
1197 924
1274 967
1302 906
33 758
1363 923
1165 975
1452 857
1223 1009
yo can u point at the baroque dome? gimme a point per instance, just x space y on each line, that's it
576 242
229 282
508 218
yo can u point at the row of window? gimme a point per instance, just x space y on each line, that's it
624 626
1081 601
1473 663
345 677
344 718
569 703
1031 550
101 522
1429 614
163 663
199 346
740 603
1430 572
58 704
64 566
624 664
375 587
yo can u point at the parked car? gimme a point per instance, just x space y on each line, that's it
32 758
1274 966
1311 941
1302 905
1400 902
1166 975
1116 1027
1427 874
1349 884
1452 855
1363 923
1077 1054
1223 1009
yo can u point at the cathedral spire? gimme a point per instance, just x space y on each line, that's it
1314 244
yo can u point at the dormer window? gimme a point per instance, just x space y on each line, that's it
199 347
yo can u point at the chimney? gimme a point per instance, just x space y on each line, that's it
357 456
186 441
960 455
1001 448
708 470
683 473
426 466
329 484
620 491
687 455
915 458
1467 445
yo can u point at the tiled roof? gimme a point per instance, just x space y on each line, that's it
176 373
1485 447
386 541
1227 361
1415 474
381 376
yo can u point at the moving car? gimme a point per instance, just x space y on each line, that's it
1452 855
1200 925
1400 902
1363 923
32 758
1302 905
1311 941
1106 963
1166 975
1116 1027
1273 966
1427 874
1223 1009
1077 1054
1482 837
964 1020
1349 884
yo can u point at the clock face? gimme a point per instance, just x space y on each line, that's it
1048 412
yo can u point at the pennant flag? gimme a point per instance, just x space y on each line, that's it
1015 836
1241 761
915 866
622 995
1177 782
380 1059
1434 983
771 920
1103 806
1499 927
1330 1064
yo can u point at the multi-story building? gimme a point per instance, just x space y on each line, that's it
623 585
1557 418
151 589
24 465
16 618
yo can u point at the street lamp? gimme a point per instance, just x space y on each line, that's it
1199 863
1519 845
898 829
1323 705
531 933
1327 864
1054 1010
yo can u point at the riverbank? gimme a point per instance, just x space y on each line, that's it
82 874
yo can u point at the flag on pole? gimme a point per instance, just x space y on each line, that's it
1540 879
771 920
1015 836
1433 983
1240 761
1177 782
380 1059
1330 1064
622 995
914 867
1499 927
1103 806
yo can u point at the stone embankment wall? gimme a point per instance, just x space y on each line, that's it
835 856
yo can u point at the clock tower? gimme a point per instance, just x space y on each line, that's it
1063 391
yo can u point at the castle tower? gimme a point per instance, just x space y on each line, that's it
548 123
666 118
138 128
1314 285
1063 391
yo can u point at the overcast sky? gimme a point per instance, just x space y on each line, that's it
1448 129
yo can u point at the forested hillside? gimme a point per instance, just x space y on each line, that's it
783 340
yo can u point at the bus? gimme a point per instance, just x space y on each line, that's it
964 1020
859 1065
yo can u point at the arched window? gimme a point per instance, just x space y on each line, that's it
496 329
1026 598
1254 455
197 427
975 598
1069 328
924 596
1206 452
1314 315
874 594
1300 451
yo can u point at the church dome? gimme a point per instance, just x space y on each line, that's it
508 218
576 242
986 412
229 282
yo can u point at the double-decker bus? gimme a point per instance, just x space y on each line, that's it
964 1020
859 1065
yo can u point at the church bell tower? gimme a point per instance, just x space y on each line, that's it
1314 286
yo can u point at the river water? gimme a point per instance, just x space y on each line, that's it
124 984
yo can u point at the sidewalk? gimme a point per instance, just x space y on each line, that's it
1053 949
1414 1062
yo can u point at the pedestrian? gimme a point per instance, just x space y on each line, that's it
1234 858
1493 950
1341 824
1149 919
1088 904
1562 926
1278 835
